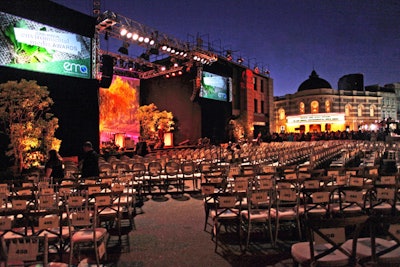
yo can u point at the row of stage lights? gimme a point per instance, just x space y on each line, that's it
147 40
165 48
108 20
136 37
201 60
173 74
174 51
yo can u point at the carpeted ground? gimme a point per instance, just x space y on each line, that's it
170 232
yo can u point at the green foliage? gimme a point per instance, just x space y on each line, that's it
151 119
241 129
25 53
24 110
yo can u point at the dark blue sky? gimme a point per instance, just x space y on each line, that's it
289 37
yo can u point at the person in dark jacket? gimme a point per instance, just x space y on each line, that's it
141 147
54 167
90 161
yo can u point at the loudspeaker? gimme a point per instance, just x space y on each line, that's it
107 71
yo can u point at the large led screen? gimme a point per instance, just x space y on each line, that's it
215 87
29 45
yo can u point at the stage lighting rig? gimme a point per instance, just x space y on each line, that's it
134 32
131 32
126 29
140 68
203 56
106 20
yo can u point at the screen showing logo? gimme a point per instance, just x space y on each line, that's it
29 45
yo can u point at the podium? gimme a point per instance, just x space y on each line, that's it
168 140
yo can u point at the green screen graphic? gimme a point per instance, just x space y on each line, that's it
29 45
215 87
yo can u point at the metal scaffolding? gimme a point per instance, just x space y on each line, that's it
131 32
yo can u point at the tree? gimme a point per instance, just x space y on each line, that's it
241 128
151 119
24 111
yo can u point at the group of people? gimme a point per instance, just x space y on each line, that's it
317 136
89 163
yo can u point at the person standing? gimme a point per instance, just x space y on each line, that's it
161 134
90 161
141 147
54 167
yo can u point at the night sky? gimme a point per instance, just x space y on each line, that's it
290 38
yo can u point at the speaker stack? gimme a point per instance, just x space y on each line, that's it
106 71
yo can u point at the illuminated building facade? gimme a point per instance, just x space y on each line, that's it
317 107
396 88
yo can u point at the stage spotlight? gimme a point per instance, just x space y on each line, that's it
146 40
180 72
124 48
123 32
176 65
173 74
164 47
130 65
140 39
135 36
167 76
163 68
152 42
129 35
168 49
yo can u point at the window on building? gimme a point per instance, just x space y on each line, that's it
327 106
347 110
262 85
302 108
262 106
255 83
360 110
372 111
281 113
314 107
255 106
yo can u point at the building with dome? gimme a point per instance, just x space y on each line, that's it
317 107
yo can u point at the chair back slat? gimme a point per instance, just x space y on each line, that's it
336 235
49 222
227 201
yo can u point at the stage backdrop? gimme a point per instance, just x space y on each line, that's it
118 106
